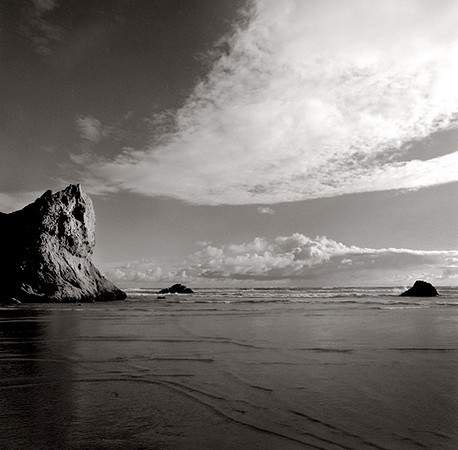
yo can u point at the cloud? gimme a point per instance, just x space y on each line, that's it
308 99
145 271
265 210
44 5
293 260
116 136
450 273
127 273
91 129
42 33
298 258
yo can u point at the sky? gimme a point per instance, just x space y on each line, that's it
241 142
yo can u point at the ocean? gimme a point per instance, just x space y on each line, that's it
323 368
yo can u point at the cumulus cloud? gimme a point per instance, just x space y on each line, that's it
300 258
294 260
308 99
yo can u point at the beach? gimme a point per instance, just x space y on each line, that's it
230 369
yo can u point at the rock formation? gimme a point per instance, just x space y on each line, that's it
47 248
176 289
420 289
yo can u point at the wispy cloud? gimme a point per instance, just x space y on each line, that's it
296 260
131 274
42 33
310 99
90 128
265 210
146 270
118 135
44 5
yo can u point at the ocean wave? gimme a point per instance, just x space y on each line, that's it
379 297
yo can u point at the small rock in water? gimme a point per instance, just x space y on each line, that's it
176 289
421 289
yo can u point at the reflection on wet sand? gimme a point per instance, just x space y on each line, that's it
36 400
150 375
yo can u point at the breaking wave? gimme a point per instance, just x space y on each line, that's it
380 297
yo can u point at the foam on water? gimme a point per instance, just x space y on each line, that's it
377 297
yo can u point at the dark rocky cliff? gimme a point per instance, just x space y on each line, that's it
47 248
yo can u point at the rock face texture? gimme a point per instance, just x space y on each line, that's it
46 251
420 289
176 289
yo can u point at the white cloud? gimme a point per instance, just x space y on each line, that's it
265 210
126 273
144 271
450 273
293 260
311 99
89 128
320 260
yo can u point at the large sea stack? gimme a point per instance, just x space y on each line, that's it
46 251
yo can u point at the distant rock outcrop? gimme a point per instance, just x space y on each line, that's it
46 251
421 289
176 289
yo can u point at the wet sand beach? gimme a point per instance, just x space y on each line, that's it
326 374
